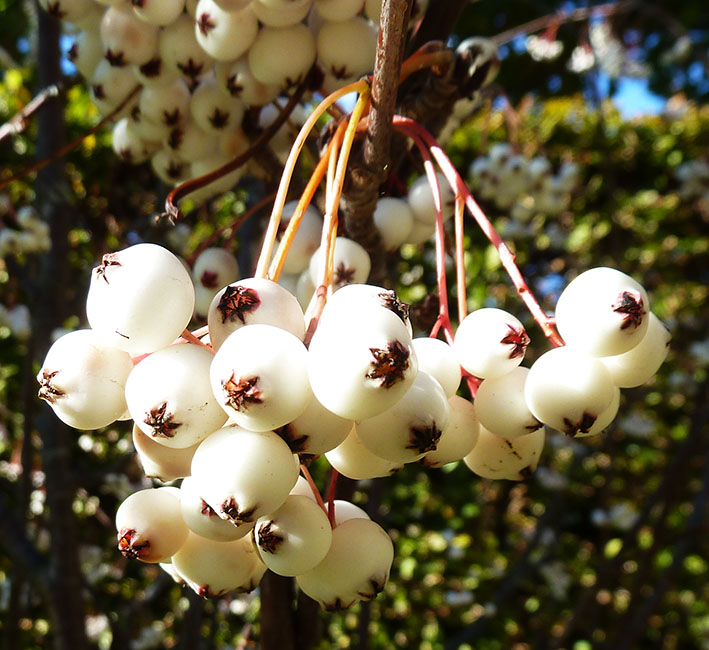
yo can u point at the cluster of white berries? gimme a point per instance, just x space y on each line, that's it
203 63
694 176
233 417
31 236
523 186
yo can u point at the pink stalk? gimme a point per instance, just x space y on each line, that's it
460 258
331 497
409 126
443 314
306 474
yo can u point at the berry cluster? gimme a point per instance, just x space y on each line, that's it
236 414
525 187
203 64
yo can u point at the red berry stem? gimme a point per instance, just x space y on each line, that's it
316 493
412 128
334 474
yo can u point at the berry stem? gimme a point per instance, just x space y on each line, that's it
73 144
234 227
331 497
172 212
188 337
306 474
460 257
410 127
443 320
272 230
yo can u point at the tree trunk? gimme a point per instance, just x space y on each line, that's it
66 597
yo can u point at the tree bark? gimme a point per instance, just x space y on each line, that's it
66 597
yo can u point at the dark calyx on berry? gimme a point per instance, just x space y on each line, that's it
630 304
236 302
130 544
389 364
423 439
241 392
517 338
47 391
268 539
160 420
584 425
230 509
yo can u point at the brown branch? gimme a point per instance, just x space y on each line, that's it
172 212
576 15
360 195
73 144
18 123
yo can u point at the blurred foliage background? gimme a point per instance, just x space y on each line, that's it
605 546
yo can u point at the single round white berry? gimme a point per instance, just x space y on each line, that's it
150 525
252 301
142 297
83 379
225 35
260 377
295 538
394 220
412 426
640 364
438 359
353 460
458 438
603 312
490 342
169 396
568 390
282 56
421 201
495 457
356 567
502 408
162 462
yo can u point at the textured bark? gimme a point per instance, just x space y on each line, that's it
66 597
369 169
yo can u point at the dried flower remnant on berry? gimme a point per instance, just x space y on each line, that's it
47 391
236 302
130 545
343 275
584 425
230 510
630 304
191 69
337 605
109 259
393 303
376 585
161 421
115 59
423 439
241 392
205 23
218 119
389 364
518 339
268 539
205 509
209 279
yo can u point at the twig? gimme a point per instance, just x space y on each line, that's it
561 17
365 176
18 123
507 258
73 144
316 493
